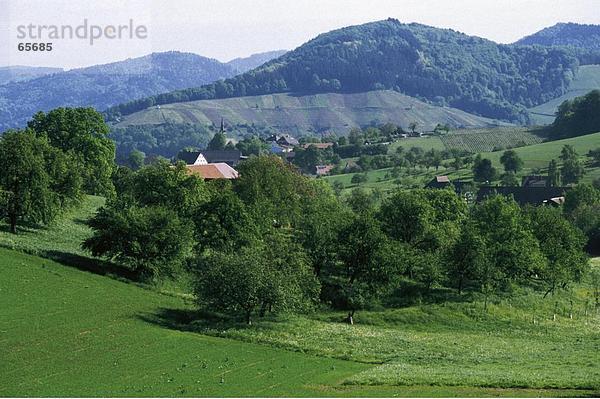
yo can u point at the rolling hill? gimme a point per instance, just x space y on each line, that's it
18 73
442 66
102 86
566 34
586 80
302 114
244 64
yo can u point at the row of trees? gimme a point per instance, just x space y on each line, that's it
274 240
47 167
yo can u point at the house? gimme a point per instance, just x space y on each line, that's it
192 158
230 157
534 181
323 170
439 182
320 146
213 171
526 195
285 140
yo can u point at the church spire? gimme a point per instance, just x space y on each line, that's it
222 125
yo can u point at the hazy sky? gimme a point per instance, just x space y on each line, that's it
225 29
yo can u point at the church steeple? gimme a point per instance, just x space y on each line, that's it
222 130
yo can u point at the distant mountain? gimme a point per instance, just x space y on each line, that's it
441 66
566 34
241 65
313 113
18 73
105 85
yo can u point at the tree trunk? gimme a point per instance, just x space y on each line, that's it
248 319
13 223
350 318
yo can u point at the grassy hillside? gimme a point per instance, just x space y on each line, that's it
491 139
535 157
587 79
65 332
302 114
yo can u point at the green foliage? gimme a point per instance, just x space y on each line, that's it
223 223
165 139
82 132
483 171
151 240
578 116
136 159
553 174
37 180
218 142
270 275
509 179
572 170
511 161
562 245
272 189
368 264
510 250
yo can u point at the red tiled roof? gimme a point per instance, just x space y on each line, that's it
213 171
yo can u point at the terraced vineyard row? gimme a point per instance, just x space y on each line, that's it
490 139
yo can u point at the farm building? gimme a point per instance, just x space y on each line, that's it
213 171
230 157
526 195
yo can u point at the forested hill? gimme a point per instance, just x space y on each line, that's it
440 65
244 64
18 73
566 34
105 85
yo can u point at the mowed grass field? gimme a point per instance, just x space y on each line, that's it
66 332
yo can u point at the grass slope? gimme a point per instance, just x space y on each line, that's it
65 332
302 114
587 79
490 139
535 157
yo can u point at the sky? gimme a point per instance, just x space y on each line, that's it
226 29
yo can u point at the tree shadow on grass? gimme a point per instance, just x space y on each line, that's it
201 321
93 265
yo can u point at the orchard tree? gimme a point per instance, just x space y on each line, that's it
562 244
136 159
483 171
270 274
162 184
152 240
553 174
25 181
572 170
509 179
511 161
223 223
272 189
368 263
81 131
511 251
